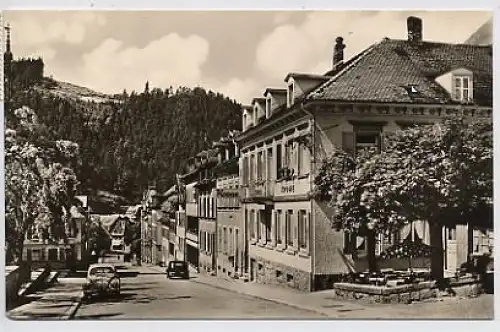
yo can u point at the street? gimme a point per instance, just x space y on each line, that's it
151 295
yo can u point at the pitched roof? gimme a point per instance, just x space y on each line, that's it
109 220
385 71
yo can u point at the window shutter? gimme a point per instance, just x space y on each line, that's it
348 143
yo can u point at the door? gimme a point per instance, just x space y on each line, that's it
451 249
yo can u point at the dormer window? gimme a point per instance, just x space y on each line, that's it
290 94
462 87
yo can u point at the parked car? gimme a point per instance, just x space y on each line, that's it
177 269
102 279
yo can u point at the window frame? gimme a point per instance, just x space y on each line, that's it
459 89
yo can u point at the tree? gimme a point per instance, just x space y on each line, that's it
440 173
349 184
98 239
38 181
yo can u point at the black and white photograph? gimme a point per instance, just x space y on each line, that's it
258 164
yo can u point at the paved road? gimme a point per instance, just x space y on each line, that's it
151 295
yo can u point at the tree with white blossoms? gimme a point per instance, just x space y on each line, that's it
441 173
347 182
40 185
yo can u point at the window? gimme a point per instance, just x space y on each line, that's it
231 242
262 225
221 239
462 88
279 227
251 224
288 154
53 255
303 228
252 167
289 228
236 241
245 121
224 246
279 159
258 220
367 138
269 163
302 162
202 241
268 222
268 106
245 170
260 164
290 92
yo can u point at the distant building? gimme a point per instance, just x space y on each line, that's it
115 225
39 250
231 231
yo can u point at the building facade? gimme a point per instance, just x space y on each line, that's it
40 251
231 236
288 133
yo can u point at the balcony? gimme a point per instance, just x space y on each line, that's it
258 190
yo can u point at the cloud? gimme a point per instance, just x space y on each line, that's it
34 30
308 47
168 61
241 90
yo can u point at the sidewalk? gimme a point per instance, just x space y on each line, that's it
324 302
60 301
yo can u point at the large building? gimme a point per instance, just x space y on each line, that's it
289 132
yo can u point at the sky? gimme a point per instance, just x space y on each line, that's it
239 53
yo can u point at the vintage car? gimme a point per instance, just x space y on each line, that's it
102 279
177 269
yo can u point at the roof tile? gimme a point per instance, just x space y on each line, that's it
386 71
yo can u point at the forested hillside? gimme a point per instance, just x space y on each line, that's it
129 140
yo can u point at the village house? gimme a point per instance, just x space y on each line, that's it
230 240
206 197
188 223
115 225
39 250
169 208
286 135
151 234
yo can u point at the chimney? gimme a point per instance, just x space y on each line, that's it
414 29
338 51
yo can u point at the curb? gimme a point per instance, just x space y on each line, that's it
262 298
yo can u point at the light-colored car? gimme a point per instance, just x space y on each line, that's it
102 279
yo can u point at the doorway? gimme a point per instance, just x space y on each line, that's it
450 236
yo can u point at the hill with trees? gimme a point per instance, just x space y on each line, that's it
129 140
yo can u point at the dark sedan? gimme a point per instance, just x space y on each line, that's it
177 269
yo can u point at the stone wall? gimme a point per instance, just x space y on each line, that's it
268 272
381 294
460 287
15 276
